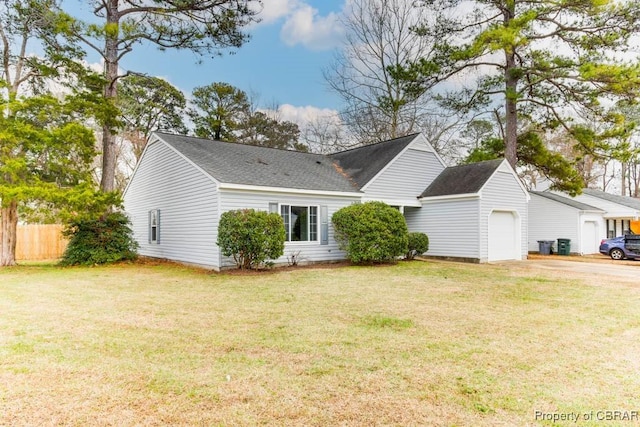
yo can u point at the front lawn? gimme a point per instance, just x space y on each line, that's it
419 343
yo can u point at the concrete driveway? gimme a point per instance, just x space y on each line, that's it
595 269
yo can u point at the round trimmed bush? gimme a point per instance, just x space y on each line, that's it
251 236
371 232
418 244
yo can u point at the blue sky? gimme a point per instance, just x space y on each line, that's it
282 62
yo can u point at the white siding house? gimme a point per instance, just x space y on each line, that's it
452 224
476 212
406 176
185 201
305 251
182 185
179 190
553 216
619 211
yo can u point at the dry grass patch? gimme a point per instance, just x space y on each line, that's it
421 343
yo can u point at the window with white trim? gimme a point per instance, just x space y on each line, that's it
154 226
300 223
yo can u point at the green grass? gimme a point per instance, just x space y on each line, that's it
420 343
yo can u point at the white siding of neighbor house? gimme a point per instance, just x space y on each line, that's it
188 203
503 192
451 225
613 210
551 220
308 251
601 231
408 175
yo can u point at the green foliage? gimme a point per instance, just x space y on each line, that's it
46 154
371 232
201 27
533 152
148 104
418 244
220 107
544 61
260 129
223 112
104 240
251 237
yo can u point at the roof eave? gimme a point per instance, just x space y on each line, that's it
265 189
449 197
414 203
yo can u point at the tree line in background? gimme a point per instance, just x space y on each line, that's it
550 85
46 156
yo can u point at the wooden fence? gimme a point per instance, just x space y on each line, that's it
39 242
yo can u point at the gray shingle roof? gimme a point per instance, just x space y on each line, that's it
463 179
566 200
362 164
232 163
621 200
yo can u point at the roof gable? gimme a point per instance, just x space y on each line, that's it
363 164
232 163
462 179
566 201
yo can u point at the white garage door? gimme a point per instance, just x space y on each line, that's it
590 242
503 238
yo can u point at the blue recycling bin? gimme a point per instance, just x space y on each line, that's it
545 247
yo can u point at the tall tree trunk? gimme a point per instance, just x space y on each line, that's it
107 183
511 97
623 179
9 219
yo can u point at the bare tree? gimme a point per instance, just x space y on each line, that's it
379 39
326 135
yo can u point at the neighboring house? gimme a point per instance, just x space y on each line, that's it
553 216
621 212
182 185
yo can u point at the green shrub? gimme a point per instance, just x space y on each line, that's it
251 237
371 232
99 241
418 244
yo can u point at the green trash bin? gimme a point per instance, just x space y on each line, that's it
564 246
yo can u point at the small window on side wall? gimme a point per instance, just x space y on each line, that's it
154 226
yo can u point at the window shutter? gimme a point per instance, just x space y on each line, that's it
158 227
273 207
324 225
149 231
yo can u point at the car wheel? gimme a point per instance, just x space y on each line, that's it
616 254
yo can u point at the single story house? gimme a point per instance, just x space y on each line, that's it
622 213
553 216
182 185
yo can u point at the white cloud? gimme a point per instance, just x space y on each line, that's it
306 114
276 9
306 27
